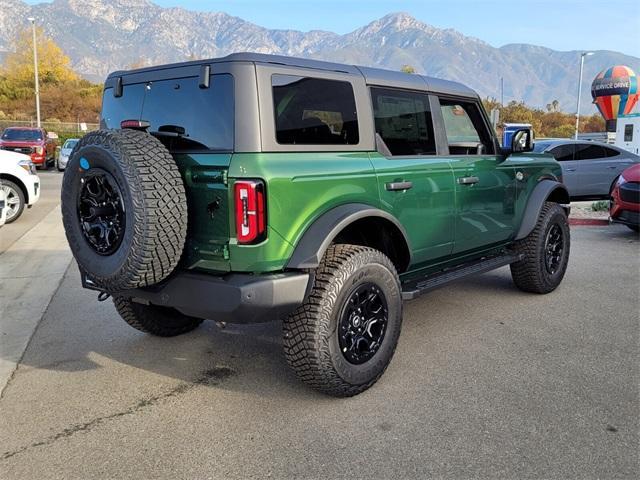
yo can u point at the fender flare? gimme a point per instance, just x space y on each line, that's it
317 238
539 195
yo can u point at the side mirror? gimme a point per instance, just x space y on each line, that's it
522 140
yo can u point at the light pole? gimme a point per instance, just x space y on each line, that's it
35 69
582 55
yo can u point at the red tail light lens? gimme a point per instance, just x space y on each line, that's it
251 224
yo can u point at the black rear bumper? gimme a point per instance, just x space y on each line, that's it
233 298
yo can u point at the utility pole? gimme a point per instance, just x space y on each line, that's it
582 55
501 91
35 69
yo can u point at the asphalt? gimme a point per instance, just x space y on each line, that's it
487 382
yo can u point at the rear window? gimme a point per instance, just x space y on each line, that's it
314 111
540 147
182 115
19 134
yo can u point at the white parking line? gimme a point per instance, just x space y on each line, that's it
30 272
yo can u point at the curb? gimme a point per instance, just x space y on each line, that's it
592 222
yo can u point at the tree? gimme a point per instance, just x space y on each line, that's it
53 64
408 69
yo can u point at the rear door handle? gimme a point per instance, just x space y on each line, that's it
571 169
398 186
468 180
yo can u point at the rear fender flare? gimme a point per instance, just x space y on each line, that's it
317 238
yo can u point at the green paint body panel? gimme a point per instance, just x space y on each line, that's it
446 222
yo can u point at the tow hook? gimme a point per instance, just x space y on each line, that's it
102 296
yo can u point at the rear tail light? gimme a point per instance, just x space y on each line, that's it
135 124
251 224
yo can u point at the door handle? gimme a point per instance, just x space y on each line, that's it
468 180
571 169
613 166
392 186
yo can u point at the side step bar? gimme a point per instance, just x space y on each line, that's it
414 289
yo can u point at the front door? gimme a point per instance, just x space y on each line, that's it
485 185
415 183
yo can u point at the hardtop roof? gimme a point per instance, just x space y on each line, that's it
372 76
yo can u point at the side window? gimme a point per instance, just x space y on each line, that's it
628 133
610 152
466 131
562 153
585 151
314 111
403 121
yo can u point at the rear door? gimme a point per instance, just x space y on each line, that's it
485 184
197 126
599 167
415 182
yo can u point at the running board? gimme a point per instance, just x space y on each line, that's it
414 289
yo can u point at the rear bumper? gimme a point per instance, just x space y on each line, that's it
234 298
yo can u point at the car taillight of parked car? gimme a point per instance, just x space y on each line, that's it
250 211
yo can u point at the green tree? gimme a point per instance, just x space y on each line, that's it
408 69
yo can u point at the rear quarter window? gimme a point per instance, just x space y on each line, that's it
182 115
314 111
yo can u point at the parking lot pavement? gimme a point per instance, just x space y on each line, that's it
487 382
50 182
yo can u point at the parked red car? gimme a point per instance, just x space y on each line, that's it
30 141
625 198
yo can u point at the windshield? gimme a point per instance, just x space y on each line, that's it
69 144
540 147
21 134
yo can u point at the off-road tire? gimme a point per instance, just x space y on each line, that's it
530 274
155 204
159 321
21 199
311 343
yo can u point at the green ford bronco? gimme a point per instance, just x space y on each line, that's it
253 188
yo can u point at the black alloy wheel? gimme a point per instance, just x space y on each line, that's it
363 323
553 249
101 211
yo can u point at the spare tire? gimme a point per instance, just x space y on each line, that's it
124 209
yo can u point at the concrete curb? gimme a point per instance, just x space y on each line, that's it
589 221
30 273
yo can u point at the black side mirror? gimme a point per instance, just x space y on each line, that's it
522 140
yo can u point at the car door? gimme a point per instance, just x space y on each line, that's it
599 167
415 183
485 185
564 154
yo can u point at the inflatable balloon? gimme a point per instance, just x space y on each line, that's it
615 92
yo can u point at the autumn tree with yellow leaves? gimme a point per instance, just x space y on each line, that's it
64 96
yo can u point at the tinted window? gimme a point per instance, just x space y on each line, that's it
466 131
403 121
20 134
588 152
610 152
182 115
314 111
628 133
562 153
540 147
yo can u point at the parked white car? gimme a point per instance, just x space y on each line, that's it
3 207
19 183
65 153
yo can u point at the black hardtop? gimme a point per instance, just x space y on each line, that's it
372 76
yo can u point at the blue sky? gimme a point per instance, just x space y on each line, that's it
558 24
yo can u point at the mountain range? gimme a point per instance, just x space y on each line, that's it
104 35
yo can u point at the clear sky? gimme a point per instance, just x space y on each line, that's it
558 24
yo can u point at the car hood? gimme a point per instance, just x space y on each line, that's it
7 157
21 143
632 174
